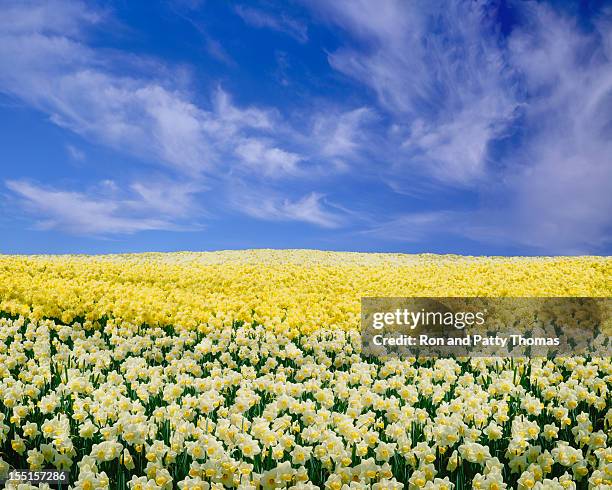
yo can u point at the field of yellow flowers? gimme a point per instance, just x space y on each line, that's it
244 370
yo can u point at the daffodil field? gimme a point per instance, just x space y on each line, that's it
244 370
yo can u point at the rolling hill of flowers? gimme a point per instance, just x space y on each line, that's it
243 369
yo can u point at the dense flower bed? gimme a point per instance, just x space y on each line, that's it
280 289
244 370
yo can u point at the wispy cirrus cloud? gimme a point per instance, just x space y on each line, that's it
276 22
53 16
215 49
269 205
453 90
99 211
50 67
437 72
560 185
143 116
74 153
417 227
344 137
272 161
501 137
46 62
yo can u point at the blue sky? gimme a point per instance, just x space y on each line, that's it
446 127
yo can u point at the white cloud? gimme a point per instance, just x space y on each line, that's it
46 62
417 227
90 213
437 72
561 189
52 16
218 52
455 151
281 22
57 73
236 118
452 89
311 208
273 162
445 90
172 199
343 136
76 154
